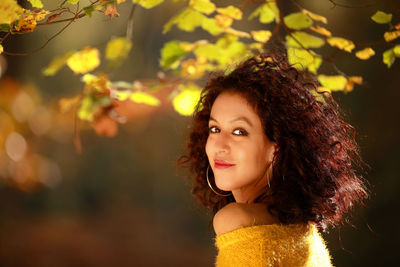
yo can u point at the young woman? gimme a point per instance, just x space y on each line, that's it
274 161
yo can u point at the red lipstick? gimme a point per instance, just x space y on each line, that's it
221 164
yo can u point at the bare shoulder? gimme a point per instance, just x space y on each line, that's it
238 215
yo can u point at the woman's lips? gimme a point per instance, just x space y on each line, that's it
220 164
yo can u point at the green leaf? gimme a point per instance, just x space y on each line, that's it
74 2
36 3
57 63
148 3
307 40
335 83
171 54
388 57
231 11
204 6
210 51
297 21
381 17
186 20
88 11
185 102
267 13
141 97
118 49
5 27
211 26
303 59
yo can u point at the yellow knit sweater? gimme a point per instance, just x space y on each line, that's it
272 245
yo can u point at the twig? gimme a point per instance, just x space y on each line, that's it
129 26
351 6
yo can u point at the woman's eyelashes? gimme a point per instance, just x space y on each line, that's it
237 131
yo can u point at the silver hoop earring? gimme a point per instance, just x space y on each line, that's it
209 184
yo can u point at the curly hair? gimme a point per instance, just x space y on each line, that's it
316 168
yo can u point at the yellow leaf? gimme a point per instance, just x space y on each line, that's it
204 6
303 59
341 43
211 25
120 1
1 49
321 30
141 97
185 102
237 33
397 27
314 16
390 36
231 11
351 81
118 49
306 40
396 50
267 13
297 21
334 83
57 64
148 3
85 60
29 21
96 83
381 17
36 3
366 53
388 57
9 11
187 20
261 36
224 21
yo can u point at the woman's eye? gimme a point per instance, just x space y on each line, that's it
212 129
240 132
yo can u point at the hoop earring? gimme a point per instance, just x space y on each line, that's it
209 184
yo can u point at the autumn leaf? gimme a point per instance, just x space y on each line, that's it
187 20
171 54
366 53
36 3
321 30
261 36
185 102
314 16
118 49
211 25
224 21
96 83
29 21
144 98
204 6
334 83
297 21
306 40
396 50
9 11
111 11
381 17
1 49
231 11
388 57
351 81
148 3
341 43
57 63
66 104
266 13
390 36
85 60
304 59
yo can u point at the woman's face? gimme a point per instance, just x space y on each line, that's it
237 149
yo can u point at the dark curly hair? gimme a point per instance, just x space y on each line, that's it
317 166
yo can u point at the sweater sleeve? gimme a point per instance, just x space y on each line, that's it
272 245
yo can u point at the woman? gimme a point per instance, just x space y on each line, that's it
274 161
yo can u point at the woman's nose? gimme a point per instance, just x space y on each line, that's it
222 143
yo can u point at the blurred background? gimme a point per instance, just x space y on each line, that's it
122 201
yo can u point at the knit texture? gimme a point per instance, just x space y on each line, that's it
272 245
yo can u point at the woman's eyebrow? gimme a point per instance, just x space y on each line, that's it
241 118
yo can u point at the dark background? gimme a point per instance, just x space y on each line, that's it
122 202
